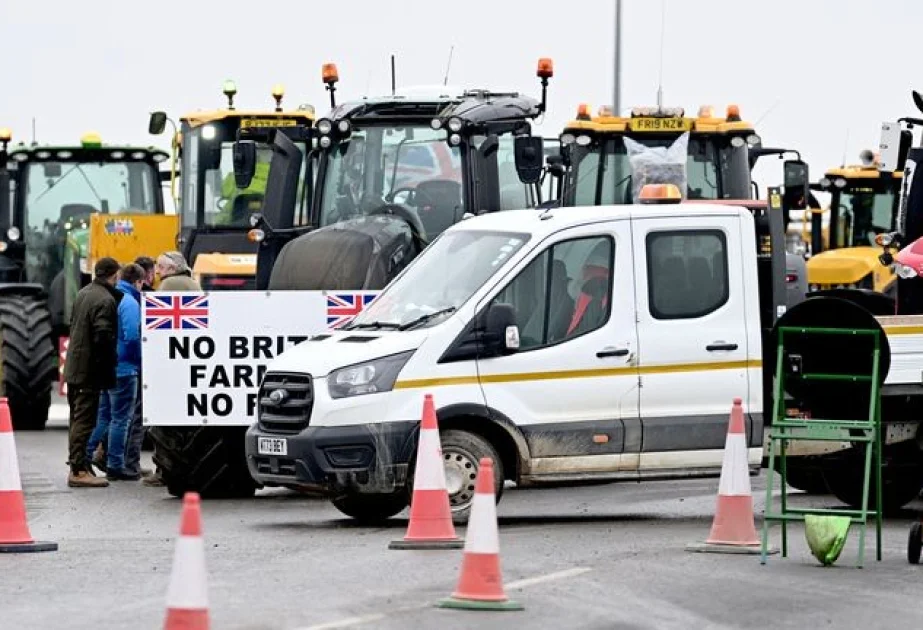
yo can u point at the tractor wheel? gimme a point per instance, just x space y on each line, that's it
809 480
914 543
901 477
29 359
207 460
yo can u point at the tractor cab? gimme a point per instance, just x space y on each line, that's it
393 173
214 209
72 205
863 204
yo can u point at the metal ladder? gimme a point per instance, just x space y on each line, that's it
785 429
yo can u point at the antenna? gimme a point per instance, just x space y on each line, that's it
445 81
845 149
663 21
767 112
33 132
393 79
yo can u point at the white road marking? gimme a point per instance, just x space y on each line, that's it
518 584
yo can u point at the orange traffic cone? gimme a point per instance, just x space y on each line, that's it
14 528
733 529
187 597
480 585
430 524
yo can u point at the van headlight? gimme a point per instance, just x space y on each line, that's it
370 377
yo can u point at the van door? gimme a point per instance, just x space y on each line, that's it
692 326
572 387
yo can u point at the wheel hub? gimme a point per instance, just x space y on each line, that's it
460 476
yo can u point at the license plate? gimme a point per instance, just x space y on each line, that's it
272 446
267 122
660 124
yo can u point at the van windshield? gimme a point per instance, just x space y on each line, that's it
441 279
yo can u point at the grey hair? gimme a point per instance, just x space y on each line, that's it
178 261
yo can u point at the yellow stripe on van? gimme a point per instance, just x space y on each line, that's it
569 374
903 330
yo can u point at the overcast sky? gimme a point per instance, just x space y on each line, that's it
810 71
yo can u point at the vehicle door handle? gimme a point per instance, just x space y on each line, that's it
721 346
612 352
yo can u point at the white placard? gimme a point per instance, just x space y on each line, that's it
204 354
889 146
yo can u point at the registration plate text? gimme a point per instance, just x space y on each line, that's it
272 446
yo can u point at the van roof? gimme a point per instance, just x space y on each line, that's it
544 222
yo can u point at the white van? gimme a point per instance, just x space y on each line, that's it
577 344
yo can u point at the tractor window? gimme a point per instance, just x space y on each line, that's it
863 214
514 195
56 192
407 169
701 170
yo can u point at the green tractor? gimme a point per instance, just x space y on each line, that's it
61 209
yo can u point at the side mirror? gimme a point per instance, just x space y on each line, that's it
529 153
501 331
556 166
890 147
157 123
51 169
244 163
796 182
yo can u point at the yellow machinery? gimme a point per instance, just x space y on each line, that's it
863 204
214 212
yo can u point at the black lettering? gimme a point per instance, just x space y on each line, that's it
238 349
196 374
251 404
196 405
262 344
219 377
178 347
204 347
243 376
222 405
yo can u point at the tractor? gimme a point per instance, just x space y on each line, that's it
62 208
214 211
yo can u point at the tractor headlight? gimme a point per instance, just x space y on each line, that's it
343 127
208 132
370 377
13 233
325 142
455 124
324 126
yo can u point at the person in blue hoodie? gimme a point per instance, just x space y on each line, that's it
116 405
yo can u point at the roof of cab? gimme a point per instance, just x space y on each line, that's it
544 222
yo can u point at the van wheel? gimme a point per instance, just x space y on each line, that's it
370 508
461 452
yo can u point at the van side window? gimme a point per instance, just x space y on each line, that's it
563 293
687 273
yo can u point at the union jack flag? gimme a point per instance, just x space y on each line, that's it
342 307
176 312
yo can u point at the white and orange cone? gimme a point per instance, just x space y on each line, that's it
480 584
14 527
187 597
430 525
733 529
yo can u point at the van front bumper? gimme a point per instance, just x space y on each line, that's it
371 458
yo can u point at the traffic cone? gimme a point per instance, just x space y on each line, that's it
733 529
480 585
14 528
430 524
187 597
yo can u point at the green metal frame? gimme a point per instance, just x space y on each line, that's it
785 429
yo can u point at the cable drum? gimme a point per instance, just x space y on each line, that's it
829 354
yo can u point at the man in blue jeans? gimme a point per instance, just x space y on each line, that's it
117 405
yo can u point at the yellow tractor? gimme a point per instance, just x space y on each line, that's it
214 211
863 204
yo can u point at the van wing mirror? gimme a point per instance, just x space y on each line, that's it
529 154
244 163
796 181
501 331
157 123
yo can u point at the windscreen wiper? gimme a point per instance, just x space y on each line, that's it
425 318
377 325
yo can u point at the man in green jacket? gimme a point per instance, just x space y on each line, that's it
91 364
174 273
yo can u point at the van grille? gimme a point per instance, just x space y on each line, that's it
293 413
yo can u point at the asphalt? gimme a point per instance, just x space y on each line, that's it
606 556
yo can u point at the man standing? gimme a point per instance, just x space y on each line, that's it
117 404
137 431
175 274
146 263
90 365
